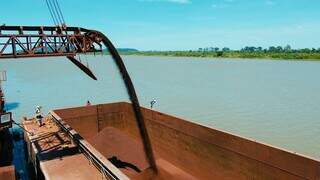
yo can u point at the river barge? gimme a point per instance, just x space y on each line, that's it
126 141
103 141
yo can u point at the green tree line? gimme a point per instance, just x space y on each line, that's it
273 52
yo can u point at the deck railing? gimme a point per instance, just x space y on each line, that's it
108 170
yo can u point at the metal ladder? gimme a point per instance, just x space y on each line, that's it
100 116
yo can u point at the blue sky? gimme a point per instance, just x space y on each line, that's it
182 24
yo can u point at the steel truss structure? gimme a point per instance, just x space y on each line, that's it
33 41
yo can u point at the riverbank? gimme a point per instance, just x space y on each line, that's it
232 54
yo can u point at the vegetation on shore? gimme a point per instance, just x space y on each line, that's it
247 52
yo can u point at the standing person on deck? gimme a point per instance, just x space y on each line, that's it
39 115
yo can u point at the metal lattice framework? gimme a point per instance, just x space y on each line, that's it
31 41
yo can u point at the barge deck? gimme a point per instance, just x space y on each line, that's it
54 155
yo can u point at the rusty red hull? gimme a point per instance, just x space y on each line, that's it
183 150
7 173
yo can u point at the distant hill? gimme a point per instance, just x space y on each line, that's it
122 50
127 50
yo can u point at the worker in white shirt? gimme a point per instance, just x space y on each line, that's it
39 116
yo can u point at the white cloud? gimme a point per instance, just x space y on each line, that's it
172 1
